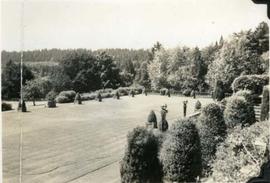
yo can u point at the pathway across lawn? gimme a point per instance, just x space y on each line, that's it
78 143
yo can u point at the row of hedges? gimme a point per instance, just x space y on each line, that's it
189 148
68 96
254 83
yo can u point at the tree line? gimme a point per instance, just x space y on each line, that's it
181 68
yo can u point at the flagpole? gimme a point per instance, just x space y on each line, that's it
21 92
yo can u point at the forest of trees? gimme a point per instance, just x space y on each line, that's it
180 68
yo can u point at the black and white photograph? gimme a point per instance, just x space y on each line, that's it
135 91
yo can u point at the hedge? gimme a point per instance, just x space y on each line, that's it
140 162
265 104
180 153
254 83
6 106
238 111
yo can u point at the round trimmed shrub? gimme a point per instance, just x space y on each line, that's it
246 94
163 91
152 118
69 94
78 99
238 111
219 91
198 105
6 106
51 103
212 131
254 83
62 99
140 162
187 92
99 97
265 104
180 153
51 95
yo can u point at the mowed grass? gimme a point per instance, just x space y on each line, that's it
78 143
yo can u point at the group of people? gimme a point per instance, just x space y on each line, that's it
163 124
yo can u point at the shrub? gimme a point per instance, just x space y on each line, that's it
66 96
123 91
180 153
265 104
238 111
62 99
6 106
187 92
78 99
241 155
152 118
51 95
51 103
212 131
198 105
254 83
246 94
219 91
163 91
140 162
223 104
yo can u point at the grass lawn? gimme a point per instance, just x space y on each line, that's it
78 143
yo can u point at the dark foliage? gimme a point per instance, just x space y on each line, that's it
265 104
140 162
212 131
6 106
180 153
238 111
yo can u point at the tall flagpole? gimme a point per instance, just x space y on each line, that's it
22 48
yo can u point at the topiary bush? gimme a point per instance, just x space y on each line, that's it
51 95
241 155
152 118
62 99
6 106
254 83
198 105
180 153
238 111
78 99
187 92
265 104
219 92
212 131
246 94
66 96
140 162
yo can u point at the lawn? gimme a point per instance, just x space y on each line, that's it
78 143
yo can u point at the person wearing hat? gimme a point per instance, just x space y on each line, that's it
163 125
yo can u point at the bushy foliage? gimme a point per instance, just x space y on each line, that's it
140 162
6 106
152 118
180 153
238 111
241 155
11 79
51 95
198 105
219 91
66 96
187 92
246 94
254 83
265 104
212 131
163 91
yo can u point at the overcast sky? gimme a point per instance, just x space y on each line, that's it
97 24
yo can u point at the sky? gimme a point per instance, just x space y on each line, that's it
95 24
